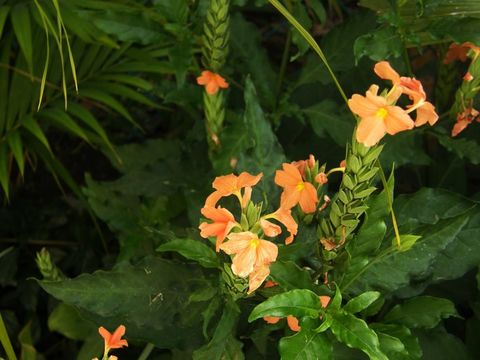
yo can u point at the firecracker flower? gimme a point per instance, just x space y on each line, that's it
410 87
284 216
460 52
112 341
251 256
295 189
232 185
223 223
377 117
464 119
212 82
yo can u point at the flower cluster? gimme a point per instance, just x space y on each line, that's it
245 240
465 112
379 114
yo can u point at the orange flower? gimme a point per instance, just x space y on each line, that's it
324 300
231 185
467 77
295 190
270 283
460 52
270 229
223 223
212 82
284 216
321 178
250 252
113 341
301 164
377 117
257 277
411 87
271 319
464 119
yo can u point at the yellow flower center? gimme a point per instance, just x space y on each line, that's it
300 186
381 113
254 243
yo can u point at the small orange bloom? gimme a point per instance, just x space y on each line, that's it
325 300
270 283
257 277
250 253
292 322
284 216
295 190
464 119
377 117
223 223
231 184
271 319
113 341
412 88
301 164
270 229
467 76
460 52
212 82
321 178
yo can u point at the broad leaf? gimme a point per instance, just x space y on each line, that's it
306 345
421 312
298 303
150 299
355 333
193 250
361 302
290 276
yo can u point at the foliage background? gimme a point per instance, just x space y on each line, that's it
126 167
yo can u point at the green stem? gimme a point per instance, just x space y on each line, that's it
5 340
146 351
390 205
311 41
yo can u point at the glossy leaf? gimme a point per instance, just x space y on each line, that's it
298 303
421 312
193 250
290 276
306 345
361 301
355 333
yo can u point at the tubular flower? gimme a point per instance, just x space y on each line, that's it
284 216
377 117
460 52
113 341
410 87
212 82
464 119
270 229
231 185
223 223
295 190
251 256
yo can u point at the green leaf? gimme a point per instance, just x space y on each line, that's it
381 44
406 241
355 333
193 250
29 123
20 17
150 299
223 344
15 141
66 320
421 312
391 346
305 345
463 148
409 341
290 276
438 344
361 302
4 10
335 120
251 57
174 10
62 120
4 173
404 148
28 351
5 340
298 303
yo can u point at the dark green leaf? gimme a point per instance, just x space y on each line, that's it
421 312
193 250
355 333
410 342
150 299
306 345
381 44
23 31
290 276
66 320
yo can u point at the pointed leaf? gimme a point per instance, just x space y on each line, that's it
290 276
298 303
32 126
305 345
193 250
4 173
361 302
15 141
23 31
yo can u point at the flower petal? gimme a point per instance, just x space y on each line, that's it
370 130
386 72
426 113
397 120
257 277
